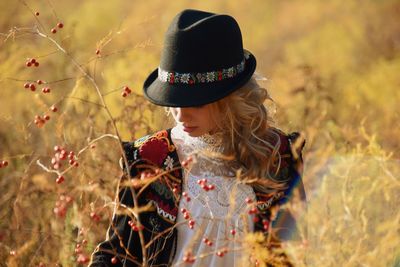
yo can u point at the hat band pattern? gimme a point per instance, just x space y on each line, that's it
200 77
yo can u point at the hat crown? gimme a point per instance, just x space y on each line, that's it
198 41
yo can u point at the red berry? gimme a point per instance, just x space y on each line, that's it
124 94
53 108
114 260
69 199
94 216
32 86
37 13
233 232
53 30
97 51
36 64
4 163
253 210
39 82
191 222
82 259
84 241
60 25
220 254
60 179
46 117
185 194
57 148
211 187
248 200
188 199
33 61
28 64
26 85
57 166
76 164
183 210
53 160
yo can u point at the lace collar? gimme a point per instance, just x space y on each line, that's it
206 142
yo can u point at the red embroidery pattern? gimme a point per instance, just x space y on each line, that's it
156 148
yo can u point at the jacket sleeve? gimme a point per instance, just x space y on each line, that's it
120 237
285 224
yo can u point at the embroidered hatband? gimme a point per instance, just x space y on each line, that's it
200 77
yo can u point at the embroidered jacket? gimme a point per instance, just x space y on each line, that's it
157 183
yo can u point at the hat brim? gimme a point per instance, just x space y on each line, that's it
185 95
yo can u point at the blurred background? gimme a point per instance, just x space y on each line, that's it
332 68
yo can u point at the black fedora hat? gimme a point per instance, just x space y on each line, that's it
202 61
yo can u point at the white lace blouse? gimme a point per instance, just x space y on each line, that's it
214 205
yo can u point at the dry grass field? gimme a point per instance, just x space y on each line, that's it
332 68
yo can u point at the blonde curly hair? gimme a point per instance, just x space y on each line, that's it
245 123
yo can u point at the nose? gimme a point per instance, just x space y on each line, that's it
183 114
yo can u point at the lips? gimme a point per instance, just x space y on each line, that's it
189 129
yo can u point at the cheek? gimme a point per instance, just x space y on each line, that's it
173 113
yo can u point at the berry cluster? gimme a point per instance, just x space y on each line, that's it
32 86
30 62
186 195
81 258
134 226
207 241
186 162
62 154
204 185
126 91
39 121
186 215
222 252
59 25
253 209
3 163
265 224
188 258
62 205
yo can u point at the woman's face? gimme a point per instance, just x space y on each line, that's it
196 121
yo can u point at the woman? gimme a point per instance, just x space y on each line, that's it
190 194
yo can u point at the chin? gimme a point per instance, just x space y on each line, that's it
194 134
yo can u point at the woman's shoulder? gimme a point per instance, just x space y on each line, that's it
291 143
